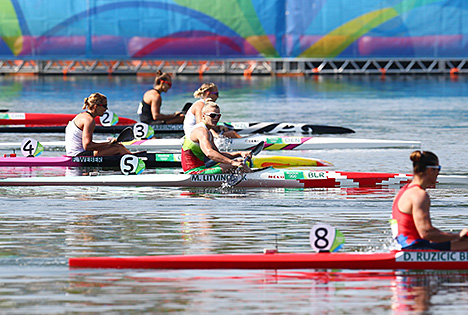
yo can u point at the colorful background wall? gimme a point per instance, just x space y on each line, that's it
44 29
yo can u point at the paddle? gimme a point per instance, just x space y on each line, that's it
186 108
237 177
256 150
126 135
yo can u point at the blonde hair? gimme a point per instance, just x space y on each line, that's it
209 104
94 99
205 87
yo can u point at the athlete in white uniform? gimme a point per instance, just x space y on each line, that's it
207 91
74 140
79 131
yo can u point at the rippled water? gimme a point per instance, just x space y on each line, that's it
41 227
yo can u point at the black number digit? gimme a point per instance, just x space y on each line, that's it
140 131
28 147
128 162
105 118
321 238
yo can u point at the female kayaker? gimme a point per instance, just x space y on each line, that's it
199 147
207 91
150 106
79 131
411 219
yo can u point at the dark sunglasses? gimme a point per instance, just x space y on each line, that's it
215 93
168 83
103 105
213 115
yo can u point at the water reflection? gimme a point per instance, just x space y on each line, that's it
315 291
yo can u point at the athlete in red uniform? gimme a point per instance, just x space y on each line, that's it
411 219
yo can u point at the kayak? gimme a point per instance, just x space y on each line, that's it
26 120
279 143
151 160
266 177
245 128
41 123
275 127
247 143
417 260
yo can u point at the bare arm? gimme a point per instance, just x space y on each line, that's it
87 138
422 219
202 136
155 103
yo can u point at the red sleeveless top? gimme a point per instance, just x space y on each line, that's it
407 233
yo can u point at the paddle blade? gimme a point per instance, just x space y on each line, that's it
126 135
235 179
258 148
186 107
325 238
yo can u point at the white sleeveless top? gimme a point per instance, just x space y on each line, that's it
200 124
73 139
190 119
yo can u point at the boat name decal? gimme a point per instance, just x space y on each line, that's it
420 256
213 177
87 159
316 175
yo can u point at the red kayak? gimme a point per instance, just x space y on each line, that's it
56 120
420 260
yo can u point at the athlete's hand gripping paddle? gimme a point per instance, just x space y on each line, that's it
237 177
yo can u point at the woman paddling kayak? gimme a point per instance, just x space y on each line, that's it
411 219
207 91
150 106
79 131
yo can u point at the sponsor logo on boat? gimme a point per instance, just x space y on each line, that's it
293 175
283 140
15 116
275 176
166 157
87 159
213 177
416 256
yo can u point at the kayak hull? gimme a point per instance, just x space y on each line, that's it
269 177
272 143
37 122
151 160
27 120
420 260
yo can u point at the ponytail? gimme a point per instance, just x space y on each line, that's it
422 159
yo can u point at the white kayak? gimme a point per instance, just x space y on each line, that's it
267 177
271 143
